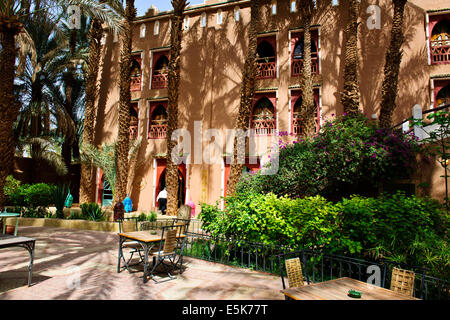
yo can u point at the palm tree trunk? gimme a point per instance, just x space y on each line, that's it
66 151
87 183
350 97
176 34
123 137
392 66
9 109
308 110
247 92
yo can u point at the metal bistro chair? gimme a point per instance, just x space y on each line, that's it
134 246
402 281
165 252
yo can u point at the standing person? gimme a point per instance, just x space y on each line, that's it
162 201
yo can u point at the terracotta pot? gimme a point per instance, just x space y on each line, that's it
10 229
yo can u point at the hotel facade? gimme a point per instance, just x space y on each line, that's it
215 42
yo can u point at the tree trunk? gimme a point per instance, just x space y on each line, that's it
308 110
350 97
66 149
9 109
87 183
392 66
123 138
247 92
176 35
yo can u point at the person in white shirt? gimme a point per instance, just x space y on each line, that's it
162 200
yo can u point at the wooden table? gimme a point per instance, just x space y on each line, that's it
5 215
8 241
338 289
147 240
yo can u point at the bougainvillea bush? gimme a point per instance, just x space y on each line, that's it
349 155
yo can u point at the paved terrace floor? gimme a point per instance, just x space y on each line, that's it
64 258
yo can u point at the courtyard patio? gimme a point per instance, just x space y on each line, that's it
82 265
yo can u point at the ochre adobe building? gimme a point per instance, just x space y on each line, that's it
214 47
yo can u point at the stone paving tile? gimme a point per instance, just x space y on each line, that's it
82 265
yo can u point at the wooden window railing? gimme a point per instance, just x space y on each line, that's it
267 70
440 51
158 129
133 131
264 127
135 84
160 79
297 65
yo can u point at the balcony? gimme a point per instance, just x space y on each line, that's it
160 79
440 51
135 84
297 128
267 70
264 127
297 65
133 130
158 129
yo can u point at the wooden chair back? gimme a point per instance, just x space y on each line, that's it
402 281
294 272
170 241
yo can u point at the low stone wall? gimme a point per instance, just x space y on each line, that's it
65 224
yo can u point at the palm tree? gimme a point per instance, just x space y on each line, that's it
249 74
392 66
87 183
350 97
307 9
123 136
13 15
176 35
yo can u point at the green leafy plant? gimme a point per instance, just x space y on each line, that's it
60 193
91 211
34 199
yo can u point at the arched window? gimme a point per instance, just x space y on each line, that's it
236 13
297 121
135 75
158 122
142 31
298 53
273 7
293 6
443 96
263 117
156 28
160 71
440 42
203 20
186 23
219 16
267 64
134 121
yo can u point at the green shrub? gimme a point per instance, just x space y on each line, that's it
75 215
396 227
91 211
34 198
11 186
152 216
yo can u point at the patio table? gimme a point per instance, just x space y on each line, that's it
5 215
8 241
146 240
337 289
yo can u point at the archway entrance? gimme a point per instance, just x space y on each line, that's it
161 181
